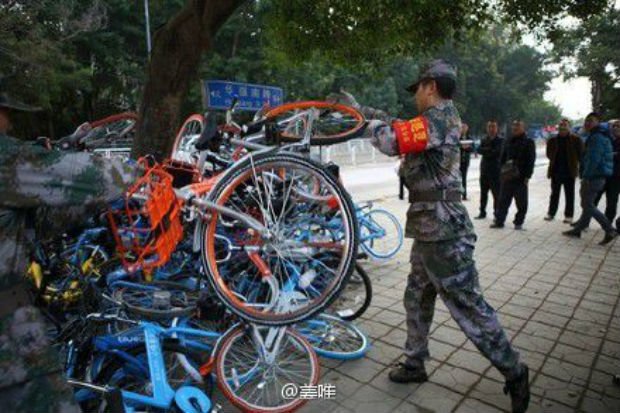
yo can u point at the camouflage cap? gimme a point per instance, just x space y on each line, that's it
432 70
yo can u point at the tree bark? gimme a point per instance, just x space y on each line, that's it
177 48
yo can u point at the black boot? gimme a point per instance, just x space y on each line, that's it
609 236
519 389
572 233
482 215
407 374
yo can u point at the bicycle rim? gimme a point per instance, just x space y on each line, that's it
183 149
381 234
334 338
252 188
337 123
254 385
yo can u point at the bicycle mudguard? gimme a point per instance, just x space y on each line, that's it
192 400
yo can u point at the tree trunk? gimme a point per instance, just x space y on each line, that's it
177 48
596 93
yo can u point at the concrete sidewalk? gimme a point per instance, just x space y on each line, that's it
557 297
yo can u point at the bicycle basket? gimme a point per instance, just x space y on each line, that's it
146 222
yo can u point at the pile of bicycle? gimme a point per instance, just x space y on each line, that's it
231 265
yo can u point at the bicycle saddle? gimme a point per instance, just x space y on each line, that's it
209 136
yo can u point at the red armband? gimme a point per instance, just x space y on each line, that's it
411 135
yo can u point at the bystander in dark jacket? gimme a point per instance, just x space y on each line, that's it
466 150
491 150
518 158
564 151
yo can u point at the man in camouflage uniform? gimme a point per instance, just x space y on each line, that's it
442 254
32 177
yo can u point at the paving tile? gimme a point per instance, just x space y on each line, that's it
537 329
533 343
581 340
565 371
491 392
573 355
469 360
476 406
390 318
608 364
345 386
395 337
454 378
384 353
369 399
434 398
449 335
374 329
600 405
558 390
362 370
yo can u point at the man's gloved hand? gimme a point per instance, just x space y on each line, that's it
344 98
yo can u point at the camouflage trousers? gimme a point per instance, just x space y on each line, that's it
32 379
447 269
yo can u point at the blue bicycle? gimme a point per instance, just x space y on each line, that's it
156 368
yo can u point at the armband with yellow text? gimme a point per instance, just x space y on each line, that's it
411 135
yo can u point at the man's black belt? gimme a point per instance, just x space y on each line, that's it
435 196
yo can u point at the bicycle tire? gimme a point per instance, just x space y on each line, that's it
197 119
184 301
226 344
349 314
367 245
334 338
207 234
358 121
114 118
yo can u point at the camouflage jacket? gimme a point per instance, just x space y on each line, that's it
437 168
32 177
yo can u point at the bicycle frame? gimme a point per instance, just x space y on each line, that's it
149 334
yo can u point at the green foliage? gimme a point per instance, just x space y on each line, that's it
591 49
85 59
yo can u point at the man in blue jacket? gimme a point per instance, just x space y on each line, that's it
597 165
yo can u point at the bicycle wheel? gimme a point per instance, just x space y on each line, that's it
355 297
183 148
299 268
334 338
381 233
112 131
160 300
255 382
337 123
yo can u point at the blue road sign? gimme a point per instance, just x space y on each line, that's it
219 94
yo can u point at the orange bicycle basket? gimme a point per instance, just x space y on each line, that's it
146 223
